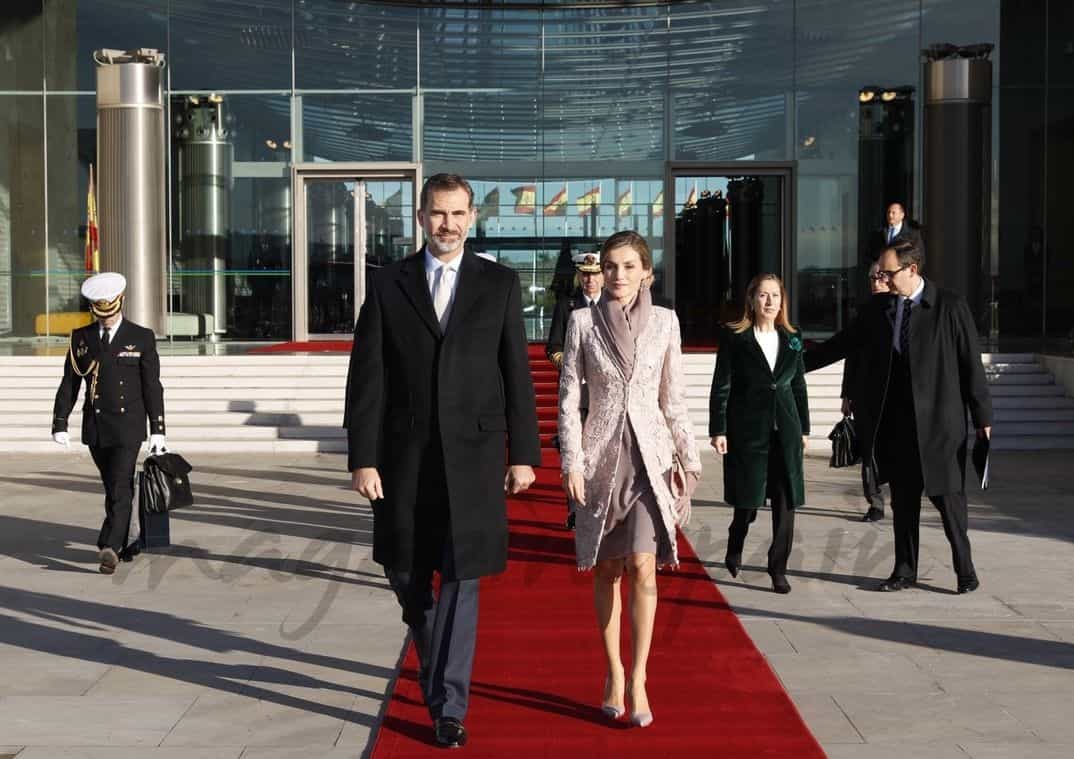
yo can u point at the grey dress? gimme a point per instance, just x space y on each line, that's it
632 523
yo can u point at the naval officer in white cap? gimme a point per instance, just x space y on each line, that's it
118 361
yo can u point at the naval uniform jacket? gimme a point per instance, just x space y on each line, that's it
123 387
466 389
752 404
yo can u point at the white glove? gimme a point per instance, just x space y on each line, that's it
62 438
156 445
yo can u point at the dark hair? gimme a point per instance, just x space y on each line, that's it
899 203
445 182
628 238
909 253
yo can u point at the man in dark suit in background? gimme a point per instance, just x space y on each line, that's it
119 361
590 282
898 231
921 372
439 378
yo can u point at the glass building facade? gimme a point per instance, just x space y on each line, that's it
718 129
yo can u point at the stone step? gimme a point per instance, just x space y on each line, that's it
172 405
201 446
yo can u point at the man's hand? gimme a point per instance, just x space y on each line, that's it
720 444
805 442
366 480
156 445
984 433
574 487
518 478
62 438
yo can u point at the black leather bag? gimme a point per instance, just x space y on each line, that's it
845 449
164 483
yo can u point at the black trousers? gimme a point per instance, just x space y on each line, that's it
116 465
443 627
901 459
778 491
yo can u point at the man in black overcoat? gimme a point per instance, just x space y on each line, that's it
118 361
439 382
921 372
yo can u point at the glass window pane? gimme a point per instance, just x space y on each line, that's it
21 35
230 44
731 67
480 48
22 215
477 127
231 217
357 127
355 45
72 147
76 29
603 82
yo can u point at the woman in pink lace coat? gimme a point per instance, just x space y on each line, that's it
634 463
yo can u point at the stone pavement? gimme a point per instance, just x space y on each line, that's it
267 632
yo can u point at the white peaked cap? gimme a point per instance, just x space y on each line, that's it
105 286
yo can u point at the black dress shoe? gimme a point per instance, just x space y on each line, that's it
968 586
449 733
780 584
873 515
732 563
570 521
895 584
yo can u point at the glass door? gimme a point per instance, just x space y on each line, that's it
350 218
729 224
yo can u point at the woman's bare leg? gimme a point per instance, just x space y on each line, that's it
642 570
609 609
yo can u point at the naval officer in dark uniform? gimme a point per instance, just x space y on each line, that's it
118 361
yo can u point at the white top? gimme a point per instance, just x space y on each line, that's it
916 298
769 342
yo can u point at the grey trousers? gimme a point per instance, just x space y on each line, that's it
444 630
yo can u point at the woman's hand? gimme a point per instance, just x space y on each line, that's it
720 444
574 487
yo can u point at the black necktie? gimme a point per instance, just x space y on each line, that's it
105 338
904 327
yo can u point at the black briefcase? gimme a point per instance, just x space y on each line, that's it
164 483
845 449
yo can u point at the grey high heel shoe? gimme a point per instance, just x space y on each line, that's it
641 719
611 710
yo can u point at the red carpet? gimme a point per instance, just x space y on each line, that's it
538 675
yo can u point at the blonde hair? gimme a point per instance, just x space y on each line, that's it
747 320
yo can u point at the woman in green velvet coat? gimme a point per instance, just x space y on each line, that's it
759 422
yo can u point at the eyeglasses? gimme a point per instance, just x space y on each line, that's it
885 274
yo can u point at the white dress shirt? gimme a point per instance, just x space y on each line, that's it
916 298
111 330
769 342
893 232
433 275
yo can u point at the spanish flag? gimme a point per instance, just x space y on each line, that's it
525 198
658 204
557 206
588 202
490 206
624 203
691 199
93 244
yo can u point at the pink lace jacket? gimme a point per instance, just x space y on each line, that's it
654 400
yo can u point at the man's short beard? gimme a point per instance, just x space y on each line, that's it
443 248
